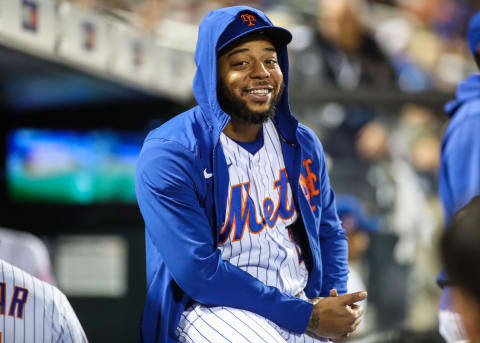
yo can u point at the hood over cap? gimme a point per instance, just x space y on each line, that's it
218 29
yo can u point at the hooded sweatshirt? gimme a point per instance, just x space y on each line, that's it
182 189
459 177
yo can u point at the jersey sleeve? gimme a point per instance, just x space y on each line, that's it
168 197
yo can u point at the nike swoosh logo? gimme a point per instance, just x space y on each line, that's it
229 165
207 175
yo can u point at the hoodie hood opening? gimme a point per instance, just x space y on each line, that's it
210 33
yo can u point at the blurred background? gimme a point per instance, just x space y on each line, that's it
82 83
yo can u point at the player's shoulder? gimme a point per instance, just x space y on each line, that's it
15 277
11 273
465 122
185 130
35 299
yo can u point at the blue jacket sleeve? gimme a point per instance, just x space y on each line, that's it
167 191
333 240
460 166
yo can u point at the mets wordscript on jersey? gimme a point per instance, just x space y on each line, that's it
15 306
242 212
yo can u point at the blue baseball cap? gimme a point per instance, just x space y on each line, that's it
352 213
246 23
473 35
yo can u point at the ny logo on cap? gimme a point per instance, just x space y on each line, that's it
248 18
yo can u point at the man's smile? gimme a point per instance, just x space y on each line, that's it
260 94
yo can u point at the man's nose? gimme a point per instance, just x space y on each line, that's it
260 71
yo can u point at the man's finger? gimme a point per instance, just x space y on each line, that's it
355 312
357 322
352 298
354 306
333 292
354 326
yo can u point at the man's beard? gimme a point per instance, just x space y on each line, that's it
238 107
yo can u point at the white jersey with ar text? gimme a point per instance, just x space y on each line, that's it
34 311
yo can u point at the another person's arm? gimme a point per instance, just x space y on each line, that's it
460 166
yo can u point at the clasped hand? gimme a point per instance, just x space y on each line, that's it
336 316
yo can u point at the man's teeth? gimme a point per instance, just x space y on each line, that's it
259 91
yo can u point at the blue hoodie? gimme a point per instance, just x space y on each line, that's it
459 177
183 208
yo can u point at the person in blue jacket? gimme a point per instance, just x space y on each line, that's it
243 242
459 176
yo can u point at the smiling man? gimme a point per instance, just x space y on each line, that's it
242 234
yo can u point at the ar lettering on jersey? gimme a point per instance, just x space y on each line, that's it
17 304
242 212
307 182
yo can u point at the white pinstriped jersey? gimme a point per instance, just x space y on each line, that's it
34 311
255 235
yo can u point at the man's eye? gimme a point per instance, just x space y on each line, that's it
271 62
240 63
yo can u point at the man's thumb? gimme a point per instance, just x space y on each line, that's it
352 298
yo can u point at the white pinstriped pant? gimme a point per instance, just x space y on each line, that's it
225 324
